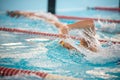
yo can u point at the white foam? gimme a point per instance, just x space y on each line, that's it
44 63
107 54
103 72
107 27
14 47
34 52
18 55
12 44
37 39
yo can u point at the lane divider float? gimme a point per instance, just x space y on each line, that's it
105 8
85 18
12 72
52 35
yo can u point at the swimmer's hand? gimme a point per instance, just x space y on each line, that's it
63 32
63 28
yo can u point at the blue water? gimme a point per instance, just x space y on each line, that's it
79 8
33 52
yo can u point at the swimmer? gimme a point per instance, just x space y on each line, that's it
19 13
89 31
86 25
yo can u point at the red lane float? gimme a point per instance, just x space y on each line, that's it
47 34
105 8
83 18
12 71
35 32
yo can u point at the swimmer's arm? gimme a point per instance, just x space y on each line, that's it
31 14
57 23
88 25
20 13
82 24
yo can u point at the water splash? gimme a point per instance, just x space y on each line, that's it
104 72
108 52
105 55
107 27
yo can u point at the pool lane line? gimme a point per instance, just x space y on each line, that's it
105 8
53 35
12 72
86 18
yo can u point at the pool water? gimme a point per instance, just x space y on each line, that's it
92 14
33 52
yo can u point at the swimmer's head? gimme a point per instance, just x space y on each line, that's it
10 13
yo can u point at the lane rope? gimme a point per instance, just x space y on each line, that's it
44 34
105 8
84 18
12 72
